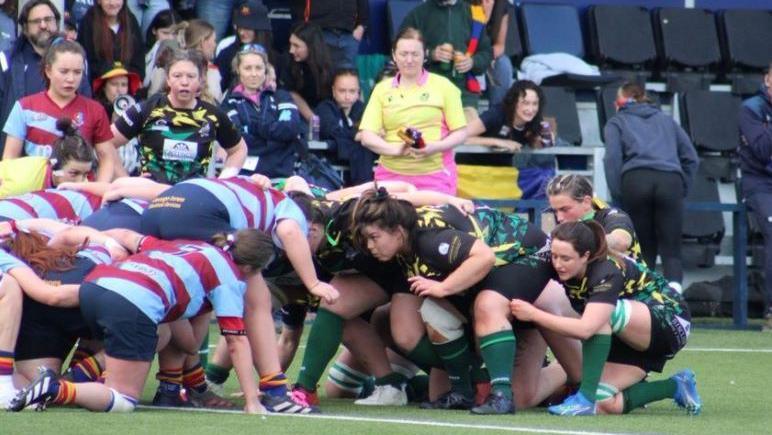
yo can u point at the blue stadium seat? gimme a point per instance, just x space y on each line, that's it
514 44
396 11
703 230
746 44
561 104
551 28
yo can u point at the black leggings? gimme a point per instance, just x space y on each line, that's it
655 202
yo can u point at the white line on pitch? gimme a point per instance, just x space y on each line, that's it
727 349
393 421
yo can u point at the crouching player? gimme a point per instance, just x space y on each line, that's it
163 281
630 323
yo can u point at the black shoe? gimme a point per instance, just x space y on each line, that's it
496 403
40 391
168 399
450 400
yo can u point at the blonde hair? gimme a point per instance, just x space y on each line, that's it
194 32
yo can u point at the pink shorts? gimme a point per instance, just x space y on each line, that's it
444 181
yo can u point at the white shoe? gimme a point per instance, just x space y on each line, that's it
6 395
385 395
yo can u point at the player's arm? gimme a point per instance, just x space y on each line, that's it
134 187
41 291
299 254
594 320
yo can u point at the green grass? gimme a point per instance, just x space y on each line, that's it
734 387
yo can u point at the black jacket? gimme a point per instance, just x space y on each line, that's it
99 65
339 131
333 14
755 151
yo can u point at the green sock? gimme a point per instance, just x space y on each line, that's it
458 358
394 379
217 374
498 352
647 392
594 354
323 341
424 356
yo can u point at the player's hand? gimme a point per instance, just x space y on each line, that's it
427 287
465 206
522 310
116 250
507 145
463 64
68 185
111 195
326 292
5 230
254 407
261 181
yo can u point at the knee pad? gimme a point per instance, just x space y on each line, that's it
621 316
441 320
346 378
121 402
605 392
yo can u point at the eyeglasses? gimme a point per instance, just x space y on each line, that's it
253 48
38 21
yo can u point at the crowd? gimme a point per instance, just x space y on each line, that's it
129 218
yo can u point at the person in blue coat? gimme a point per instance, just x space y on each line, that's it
268 119
339 123
755 151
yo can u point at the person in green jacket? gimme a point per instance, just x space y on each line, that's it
446 26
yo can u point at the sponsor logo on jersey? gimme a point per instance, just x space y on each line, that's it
180 150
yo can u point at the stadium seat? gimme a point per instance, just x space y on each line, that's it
746 45
396 11
551 28
689 47
710 119
561 104
703 230
622 40
514 44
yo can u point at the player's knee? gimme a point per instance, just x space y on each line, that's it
120 402
442 325
346 378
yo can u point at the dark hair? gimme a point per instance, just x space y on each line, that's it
104 39
24 14
376 207
584 236
70 146
575 186
60 45
247 247
408 33
9 8
33 249
345 72
533 128
305 202
318 60
163 19
635 91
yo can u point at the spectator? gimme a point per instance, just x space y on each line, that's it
180 113
145 11
252 27
343 24
30 128
650 164
165 26
199 35
157 79
77 9
501 72
110 33
217 12
339 120
755 150
309 74
108 87
447 29
70 28
268 119
21 66
512 125
7 24
424 101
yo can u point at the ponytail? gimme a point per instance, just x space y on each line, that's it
70 146
584 236
248 247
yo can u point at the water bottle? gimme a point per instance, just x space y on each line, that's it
313 128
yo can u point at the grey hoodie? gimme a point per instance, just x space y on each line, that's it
642 136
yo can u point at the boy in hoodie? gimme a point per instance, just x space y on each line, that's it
755 151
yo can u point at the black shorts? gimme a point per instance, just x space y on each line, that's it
126 331
518 281
48 332
114 215
668 336
199 216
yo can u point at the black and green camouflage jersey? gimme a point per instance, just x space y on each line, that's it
609 280
612 218
337 251
176 144
444 237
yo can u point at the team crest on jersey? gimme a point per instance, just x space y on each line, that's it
424 96
78 119
205 129
505 130
39 116
443 248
